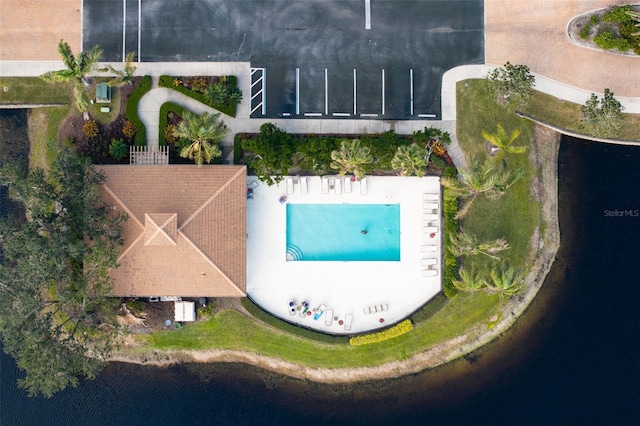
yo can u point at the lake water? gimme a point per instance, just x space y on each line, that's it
573 358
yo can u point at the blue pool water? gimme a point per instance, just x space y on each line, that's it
335 232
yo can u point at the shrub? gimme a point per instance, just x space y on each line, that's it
170 134
91 129
198 84
450 210
606 40
129 129
166 135
618 14
397 330
132 109
585 32
594 20
437 162
118 149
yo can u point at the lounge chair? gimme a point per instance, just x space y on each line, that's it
347 184
430 197
338 186
289 186
304 188
433 226
363 186
347 322
429 261
430 206
429 272
429 229
325 185
292 307
318 312
429 217
328 319
428 248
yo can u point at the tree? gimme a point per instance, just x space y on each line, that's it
270 153
601 117
56 318
125 76
352 157
118 149
512 85
410 160
478 179
200 136
470 280
77 69
465 244
503 142
505 280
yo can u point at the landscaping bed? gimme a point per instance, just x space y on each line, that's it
610 29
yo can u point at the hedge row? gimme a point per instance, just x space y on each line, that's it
269 319
165 109
401 328
450 210
132 109
230 110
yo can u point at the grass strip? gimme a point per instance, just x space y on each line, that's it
132 109
33 90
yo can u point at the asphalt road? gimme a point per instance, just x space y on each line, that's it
309 48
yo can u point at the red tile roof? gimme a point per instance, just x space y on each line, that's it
186 233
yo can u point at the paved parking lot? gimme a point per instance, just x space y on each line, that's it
321 58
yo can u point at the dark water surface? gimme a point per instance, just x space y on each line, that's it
573 358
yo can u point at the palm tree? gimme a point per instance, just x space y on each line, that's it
505 280
77 69
125 76
201 136
502 142
351 158
478 179
470 280
410 160
465 244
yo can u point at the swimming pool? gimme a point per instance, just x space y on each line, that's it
343 232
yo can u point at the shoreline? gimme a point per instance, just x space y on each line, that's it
545 147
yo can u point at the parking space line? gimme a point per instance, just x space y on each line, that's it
382 91
354 92
367 14
326 93
124 29
297 91
139 28
411 88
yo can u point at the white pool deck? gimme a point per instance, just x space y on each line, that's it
346 288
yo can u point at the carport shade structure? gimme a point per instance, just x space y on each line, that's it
186 233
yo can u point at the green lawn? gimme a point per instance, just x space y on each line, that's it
515 215
231 330
567 115
33 90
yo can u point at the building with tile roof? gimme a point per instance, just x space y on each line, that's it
186 233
